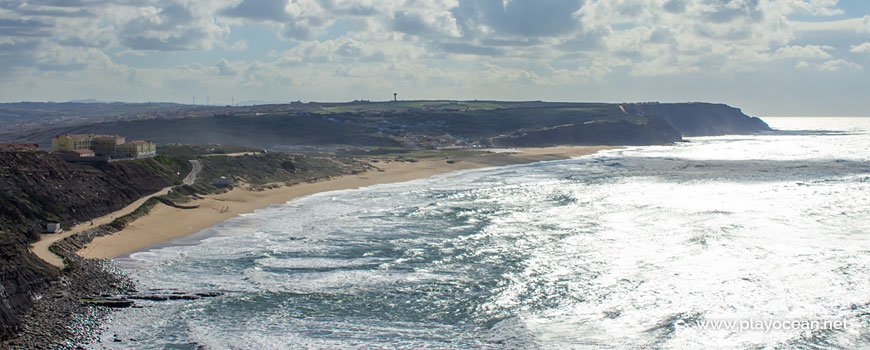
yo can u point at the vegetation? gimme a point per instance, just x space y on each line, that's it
360 124
122 221
170 169
193 150
272 167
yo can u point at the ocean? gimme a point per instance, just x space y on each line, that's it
732 242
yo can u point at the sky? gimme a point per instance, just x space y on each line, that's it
768 57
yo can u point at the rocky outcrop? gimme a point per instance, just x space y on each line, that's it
701 119
36 188
21 275
651 132
58 318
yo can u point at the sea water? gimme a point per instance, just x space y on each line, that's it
644 247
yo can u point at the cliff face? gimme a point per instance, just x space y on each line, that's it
36 188
653 131
701 119
21 274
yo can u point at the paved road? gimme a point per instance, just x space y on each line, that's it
191 178
40 248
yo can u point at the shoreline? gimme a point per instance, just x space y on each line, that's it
164 224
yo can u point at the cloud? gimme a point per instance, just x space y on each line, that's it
823 8
240 45
675 6
409 23
171 28
853 25
340 50
428 24
259 10
833 65
468 49
520 18
862 48
298 20
226 68
24 28
808 51
838 64
728 12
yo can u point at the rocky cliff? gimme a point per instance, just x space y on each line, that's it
36 188
701 119
21 275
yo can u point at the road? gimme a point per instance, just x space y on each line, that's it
40 248
191 178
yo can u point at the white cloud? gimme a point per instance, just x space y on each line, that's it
862 48
332 51
811 7
838 64
833 65
226 68
806 52
240 45
843 25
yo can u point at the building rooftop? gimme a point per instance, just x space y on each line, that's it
89 136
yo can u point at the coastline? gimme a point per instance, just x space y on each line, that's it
166 223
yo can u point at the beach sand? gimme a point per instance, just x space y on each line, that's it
165 223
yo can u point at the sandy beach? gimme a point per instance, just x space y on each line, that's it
165 223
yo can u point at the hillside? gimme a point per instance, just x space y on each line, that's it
424 124
37 188
701 119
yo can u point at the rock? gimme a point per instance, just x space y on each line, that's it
108 302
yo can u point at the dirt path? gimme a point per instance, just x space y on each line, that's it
40 248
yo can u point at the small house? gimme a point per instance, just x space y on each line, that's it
222 181
53 227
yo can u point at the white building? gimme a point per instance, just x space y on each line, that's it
222 181
53 227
